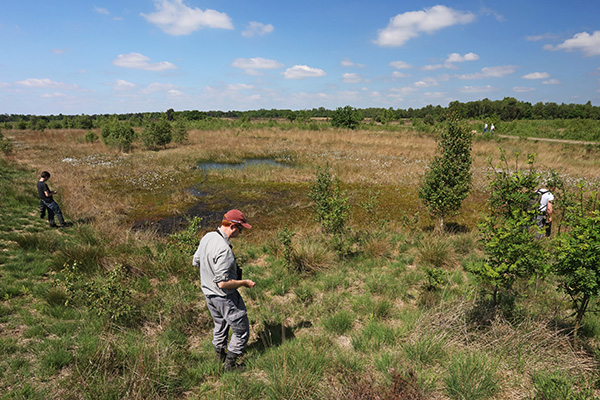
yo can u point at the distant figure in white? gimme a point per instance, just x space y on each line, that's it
492 128
546 209
485 128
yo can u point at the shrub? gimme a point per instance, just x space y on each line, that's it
330 202
157 133
118 134
5 144
447 181
180 132
508 232
90 137
577 255
346 117
105 296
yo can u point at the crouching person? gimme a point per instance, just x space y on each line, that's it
220 278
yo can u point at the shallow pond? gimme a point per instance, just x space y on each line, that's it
208 165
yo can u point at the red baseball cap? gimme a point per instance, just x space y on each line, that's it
237 217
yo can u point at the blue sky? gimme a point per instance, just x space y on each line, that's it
109 56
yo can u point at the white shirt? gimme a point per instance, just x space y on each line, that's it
547 197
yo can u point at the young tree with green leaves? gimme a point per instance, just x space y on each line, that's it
117 134
578 254
447 181
331 204
508 231
346 117
157 133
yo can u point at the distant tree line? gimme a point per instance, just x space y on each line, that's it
507 109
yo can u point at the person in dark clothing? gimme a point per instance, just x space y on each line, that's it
48 202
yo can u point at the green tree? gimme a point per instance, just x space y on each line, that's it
507 232
346 117
447 181
578 255
157 133
117 134
331 204
180 131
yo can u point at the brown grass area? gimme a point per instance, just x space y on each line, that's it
98 184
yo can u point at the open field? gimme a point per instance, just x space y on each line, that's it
111 307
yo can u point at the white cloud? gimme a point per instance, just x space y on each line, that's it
426 82
537 38
588 44
435 95
174 93
398 74
123 85
240 86
476 89
351 78
102 11
158 87
404 27
435 67
176 18
488 11
402 91
400 65
257 29
346 62
432 67
59 51
456 58
551 82
303 71
44 83
253 65
140 61
536 75
55 95
521 89
491 72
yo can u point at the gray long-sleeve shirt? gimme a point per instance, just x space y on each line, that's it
217 263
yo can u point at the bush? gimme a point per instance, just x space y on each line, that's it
90 137
346 117
447 181
5 144
180 132
157 133
330 203
118 134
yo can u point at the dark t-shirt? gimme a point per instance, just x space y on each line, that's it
41 187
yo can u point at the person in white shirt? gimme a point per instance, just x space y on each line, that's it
546 210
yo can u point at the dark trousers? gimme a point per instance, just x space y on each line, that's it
52 209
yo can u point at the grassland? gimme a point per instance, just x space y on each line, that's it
101 310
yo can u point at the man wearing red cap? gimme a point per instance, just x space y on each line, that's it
220 278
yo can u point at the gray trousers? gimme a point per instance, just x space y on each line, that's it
229 312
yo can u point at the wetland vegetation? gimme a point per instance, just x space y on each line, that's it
387 309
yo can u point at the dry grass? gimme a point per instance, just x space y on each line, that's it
101 185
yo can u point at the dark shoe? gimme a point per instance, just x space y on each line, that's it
53 226
220 356
231 363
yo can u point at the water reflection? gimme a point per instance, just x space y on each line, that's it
208 165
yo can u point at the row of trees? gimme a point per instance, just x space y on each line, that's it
507 109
